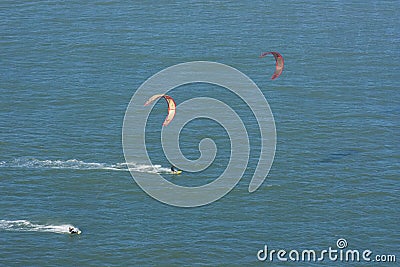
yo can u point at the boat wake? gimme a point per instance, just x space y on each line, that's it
33 163
27 226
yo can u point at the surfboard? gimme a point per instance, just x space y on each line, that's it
176 172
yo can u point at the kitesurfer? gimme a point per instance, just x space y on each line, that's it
73 230
173 168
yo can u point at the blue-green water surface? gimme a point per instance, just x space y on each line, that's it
69 69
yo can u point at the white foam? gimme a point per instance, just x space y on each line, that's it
75 164
146 168
27 226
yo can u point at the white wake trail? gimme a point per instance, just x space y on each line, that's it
74 164
27 226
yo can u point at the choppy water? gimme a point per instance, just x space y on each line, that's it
69 69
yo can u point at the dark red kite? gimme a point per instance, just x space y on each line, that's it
279 63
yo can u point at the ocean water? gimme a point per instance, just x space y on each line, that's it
69 70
